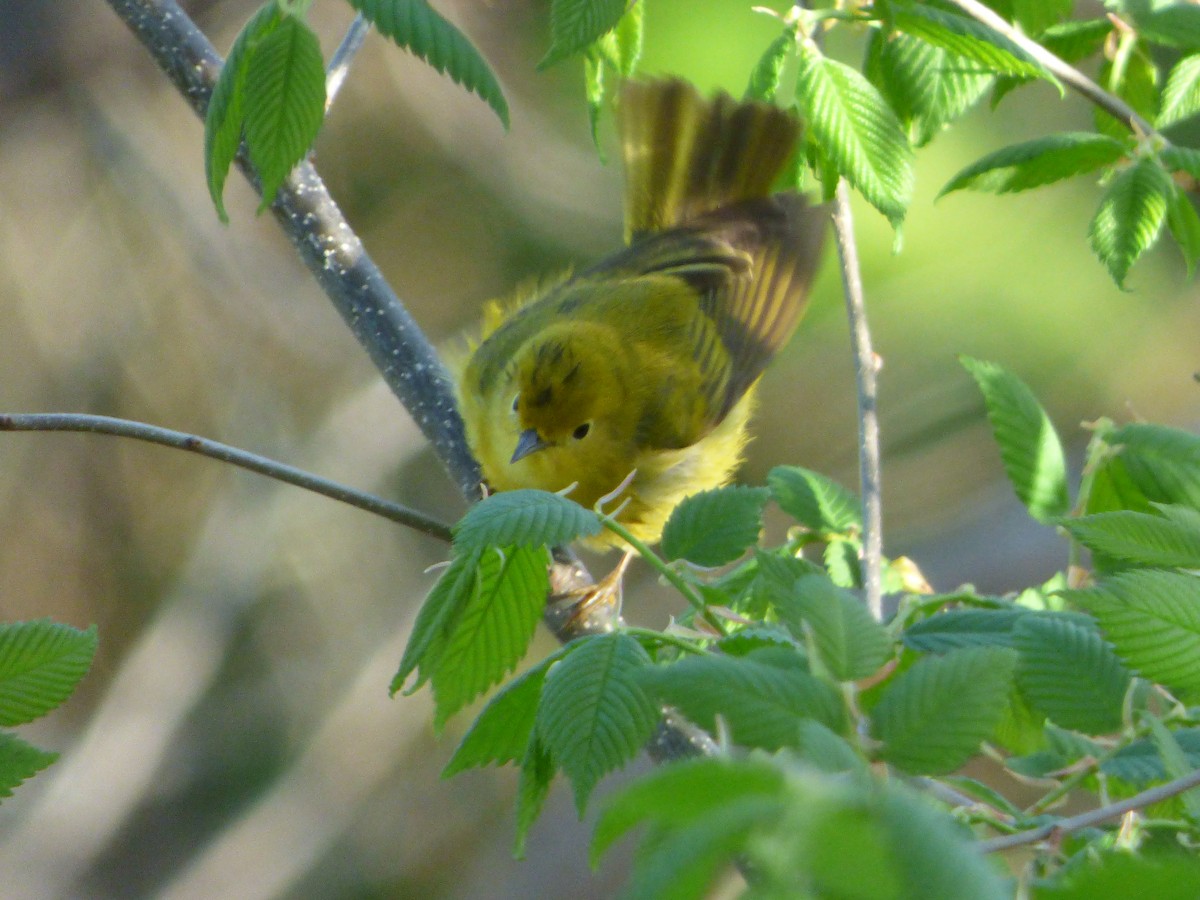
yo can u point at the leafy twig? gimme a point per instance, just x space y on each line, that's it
865 368
1057 67
1096 816
224 453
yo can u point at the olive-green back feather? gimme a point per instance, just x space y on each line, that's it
686 156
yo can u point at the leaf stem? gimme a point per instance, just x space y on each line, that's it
227 454
1096 816
1060 69
865 367
662 637
343 58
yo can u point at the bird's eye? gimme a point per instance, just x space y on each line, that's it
581 432
516 400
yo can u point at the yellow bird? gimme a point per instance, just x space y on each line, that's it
645 364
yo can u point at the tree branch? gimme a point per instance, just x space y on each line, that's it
1095 816
865 368
328 246
227 454
1060 69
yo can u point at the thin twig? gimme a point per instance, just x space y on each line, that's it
343 58
1060 69
232 455
1096 816
865 368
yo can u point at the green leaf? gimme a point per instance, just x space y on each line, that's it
1029 446
225 118
1134 80
828 752
622 47
714 527
1181 95
1172 24
850 643
1163 463
958 628
439 616
856 131
934 716
1130 217
594 95
684 793
928 87
526 518
1152 618
284 102
764 78
1140 763
1163 876
816 502
493 629
761 705
417 27
967 38
576 24
502 731
537 772
1184 225
19 761
1141 538
1176 763
1035 16
1180 159
41 662
1068 673
1076 40
1041 161
594 716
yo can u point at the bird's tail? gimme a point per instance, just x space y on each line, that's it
686 156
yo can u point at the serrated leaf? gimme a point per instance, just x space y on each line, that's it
626 40
1181 94
19 762
576 24
594 716
967 38
765 76
714 527
537 772
1176 763
1042 161
1139 763
1152 618
1184 224
934 716
1070 674
438 616
1163 463
502 731
225 118
760 704
1130 217
1029 446
493 629
928 87
850 643
1140 538
855 129
1172 24
816 502
757 637
1180 159
283 101
526 518
1075 40
418 28
686 792
841 559
958 628
41 662
1163 876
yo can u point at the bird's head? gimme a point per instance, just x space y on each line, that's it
566 394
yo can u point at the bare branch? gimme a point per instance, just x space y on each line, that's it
224 453
865 369
1096 816
343 58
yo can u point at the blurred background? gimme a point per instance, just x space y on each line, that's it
235 737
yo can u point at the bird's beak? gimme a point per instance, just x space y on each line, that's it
529 442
